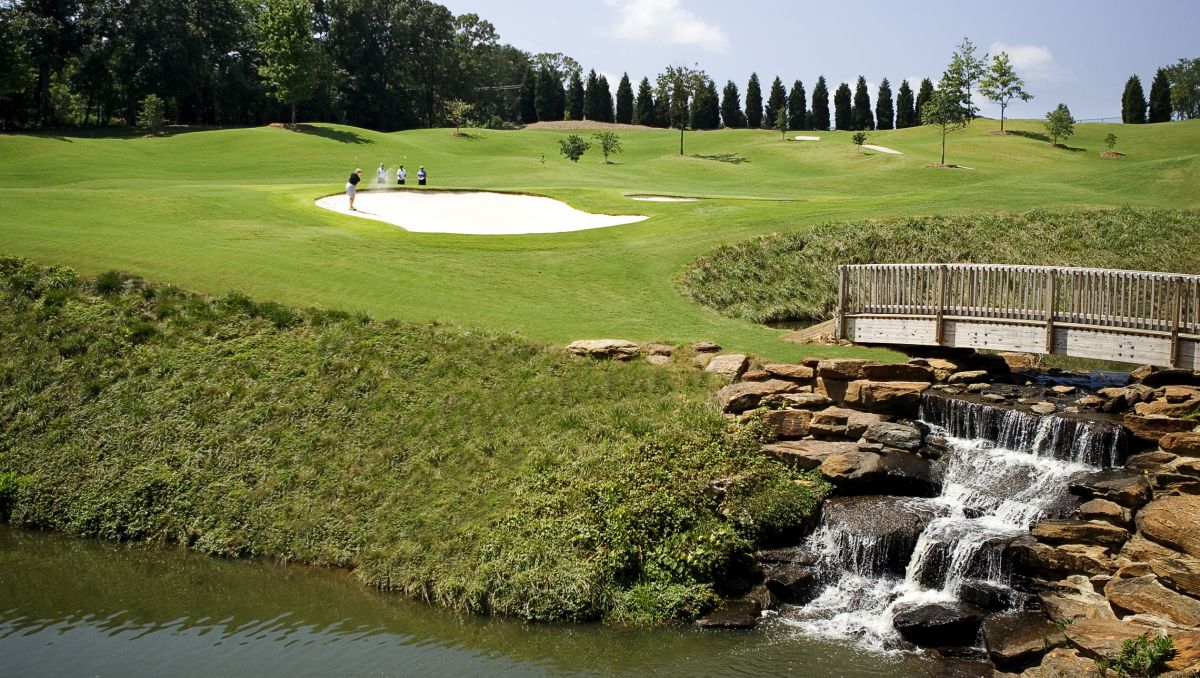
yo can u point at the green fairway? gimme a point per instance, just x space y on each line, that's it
225 210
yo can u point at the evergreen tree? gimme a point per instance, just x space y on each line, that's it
1001 84
575 97
906 107
662 109
843 115
705 112
797 118
923 95
884 113
1133 102
754 105
820 106
643 106
526 106
776 101
591 97
1160 98
624 114
860 113
604 100
550 99
731 106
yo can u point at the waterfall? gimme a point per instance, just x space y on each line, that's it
1004 471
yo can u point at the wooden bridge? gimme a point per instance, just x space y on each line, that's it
1126 316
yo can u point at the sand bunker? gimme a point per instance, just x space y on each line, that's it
473 213
661 198
804 138
882 149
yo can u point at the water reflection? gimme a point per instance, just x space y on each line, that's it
81 608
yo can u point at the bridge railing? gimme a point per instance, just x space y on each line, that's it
1127 302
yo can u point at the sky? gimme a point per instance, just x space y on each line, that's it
1068 51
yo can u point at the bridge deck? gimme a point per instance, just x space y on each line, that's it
1128 316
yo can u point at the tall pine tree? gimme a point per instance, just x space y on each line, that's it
884 113
643 106
843 113
820 105
526 106
624 100
754 103
604 100
906 107
591 96
797 115
575 97
705 112
1160 98
550 100
923 95
860 113
776 102
1133 102
731 106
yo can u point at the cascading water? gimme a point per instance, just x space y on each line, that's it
1004 471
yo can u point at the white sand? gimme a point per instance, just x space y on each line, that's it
473 213
882 149
661 198
803 138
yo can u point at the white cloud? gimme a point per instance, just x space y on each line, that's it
1032 62
665 21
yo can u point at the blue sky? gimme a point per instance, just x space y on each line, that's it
1077 53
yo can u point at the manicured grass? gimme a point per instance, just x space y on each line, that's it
216 211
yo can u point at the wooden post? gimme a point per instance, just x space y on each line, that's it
1049 310
1176 315
840 323
939 333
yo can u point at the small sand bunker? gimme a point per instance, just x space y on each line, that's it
882 149
804 138
471 213
662 198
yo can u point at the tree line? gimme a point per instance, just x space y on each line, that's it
1175 91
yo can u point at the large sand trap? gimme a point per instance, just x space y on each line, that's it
806 138
882 149
661 198
474 213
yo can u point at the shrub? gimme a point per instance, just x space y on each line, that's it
573 147
110 283
1141 657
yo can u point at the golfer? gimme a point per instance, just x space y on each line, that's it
381 174
401 175
421 176
352 186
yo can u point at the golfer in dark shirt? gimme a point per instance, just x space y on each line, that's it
352 186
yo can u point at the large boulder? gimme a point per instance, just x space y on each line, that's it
797 372
807 454
900 397
1043 560
891 472
1107 511
1102 638
1019 639
1120 486
1141 550
1063 662
1075 598
1173 522
1181 574
1173 377
940 624
733 614
788 423
1168 408
746 395
800 400
877 534
894 435
1152 428
842 369
1185 443
843 422
613 349
1145 595
969 377
897 372
730 365
1073 531
793 583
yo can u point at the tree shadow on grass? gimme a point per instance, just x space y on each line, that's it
343 136
1037 136
731 158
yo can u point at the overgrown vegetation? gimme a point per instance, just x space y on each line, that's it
1141 657
474 470
793 276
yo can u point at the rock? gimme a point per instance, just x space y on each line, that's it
897 372
702 360
659 349
788 423
1167 409
942 368
793 583
1173 377
835 389
730 365
1153 428
1109 512
1179 394
746 395
1147 596
1181 443
796 555
1019 361
1063 390
1173 522
614 349
993 398
1101 638
756 375
705 347
1090 402
1142 372
658 359
978 388
1044 560
940 624
886 396
797 372
968 377
1141 549
1018 639
840 421
1153 460
842 369
877 534
1073 531
894 435
807 454
1075 598
1181 574
1043 408
732 614
991 596
898 473
1124 487
804 401
1063 663
935 447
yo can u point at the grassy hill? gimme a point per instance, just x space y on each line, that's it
216 211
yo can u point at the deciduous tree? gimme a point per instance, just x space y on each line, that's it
285 36
1185 88
678 84
1001 84
573 147
945 111
963 74
610 143
1059 124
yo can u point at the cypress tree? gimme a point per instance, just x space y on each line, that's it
731 106
662 109
591 92
820 105
1133 102
526 106
776 101
604 100
796 108
754 106
884 113
1160 98
624 100
843 113
548 81
923 95
906 107
643 107
575 97
860 113
705 113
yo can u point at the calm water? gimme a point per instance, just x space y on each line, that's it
72 607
